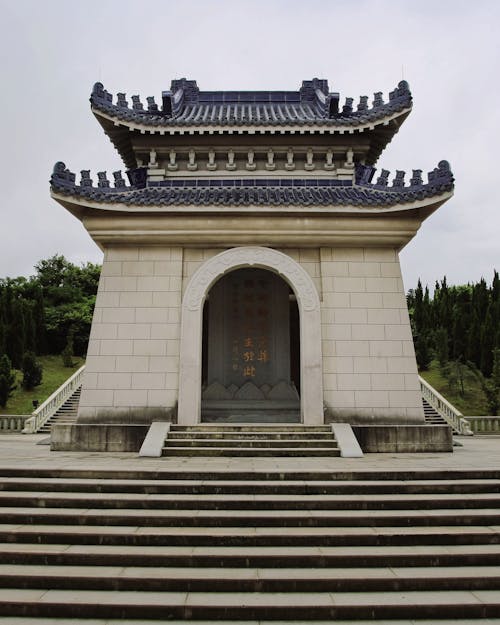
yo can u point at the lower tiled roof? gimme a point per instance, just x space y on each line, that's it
260 192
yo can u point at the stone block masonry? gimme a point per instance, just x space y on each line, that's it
369 366
133 354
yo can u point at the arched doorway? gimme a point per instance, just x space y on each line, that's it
251 345
190 377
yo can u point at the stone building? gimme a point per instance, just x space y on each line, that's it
251 268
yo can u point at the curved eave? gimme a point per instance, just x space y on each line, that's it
82 207
119 131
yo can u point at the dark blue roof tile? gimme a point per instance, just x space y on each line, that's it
313 104
228 192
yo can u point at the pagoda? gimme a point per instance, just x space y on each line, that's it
251 269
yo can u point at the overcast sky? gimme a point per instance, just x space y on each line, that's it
53 52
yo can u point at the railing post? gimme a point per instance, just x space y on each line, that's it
449 413
51 405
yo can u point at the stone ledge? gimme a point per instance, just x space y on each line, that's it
404 438
93 437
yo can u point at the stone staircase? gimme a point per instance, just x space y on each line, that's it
432 416
67 413
241 546
250 440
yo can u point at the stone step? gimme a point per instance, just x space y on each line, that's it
193 501
237 606
244 557
284 476
249 536
241 486
251 451
231 434
249 518
179 579
24 620
254 427
251 443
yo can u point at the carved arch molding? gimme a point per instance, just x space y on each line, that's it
191 327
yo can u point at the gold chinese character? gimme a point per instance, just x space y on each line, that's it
248 356
263 357
249 372
248 342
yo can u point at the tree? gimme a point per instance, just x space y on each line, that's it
490 386
32 371
7 380
67 353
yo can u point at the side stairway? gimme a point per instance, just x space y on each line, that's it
179 545
67 413
432 416
250 440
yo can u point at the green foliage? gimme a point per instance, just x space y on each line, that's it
461 323
67 353
54 374
37 313
7 380
32 371
470 402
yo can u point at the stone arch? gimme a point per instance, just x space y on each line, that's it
191 328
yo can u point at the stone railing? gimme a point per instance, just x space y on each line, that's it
485 425
449 413
13 422
52 404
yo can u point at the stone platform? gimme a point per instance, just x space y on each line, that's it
97 539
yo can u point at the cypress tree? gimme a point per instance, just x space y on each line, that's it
32 371
7 380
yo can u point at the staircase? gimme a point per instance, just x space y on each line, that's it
67 413
250 440
247 546
432 417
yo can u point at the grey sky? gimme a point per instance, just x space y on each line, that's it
53 52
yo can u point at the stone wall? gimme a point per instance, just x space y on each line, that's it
133 355
369 366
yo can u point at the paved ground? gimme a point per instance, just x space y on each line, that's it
24 450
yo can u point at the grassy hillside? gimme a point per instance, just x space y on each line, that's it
472 403
54 374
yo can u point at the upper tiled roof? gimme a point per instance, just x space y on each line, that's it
313 104
245 192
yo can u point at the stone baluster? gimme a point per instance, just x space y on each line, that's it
230 165
211 165
153 163
250 164
329 164
192 165
270 165
172 161
309 164
289 165
349 163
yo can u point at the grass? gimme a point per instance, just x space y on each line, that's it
54 374
471 403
